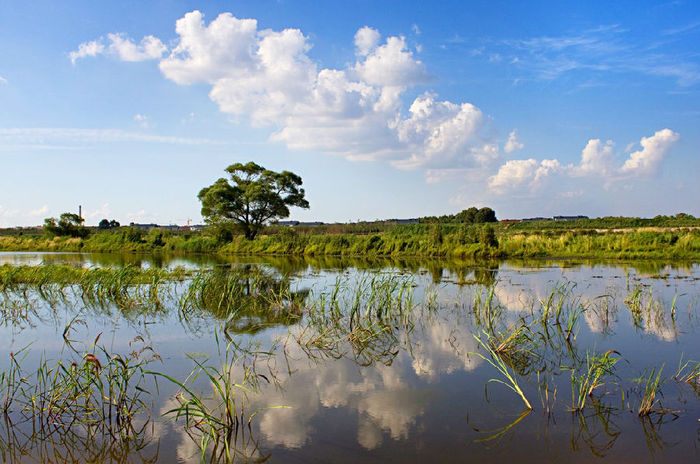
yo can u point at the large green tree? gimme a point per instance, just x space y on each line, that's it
251 197
69 224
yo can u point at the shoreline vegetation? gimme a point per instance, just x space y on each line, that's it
606 238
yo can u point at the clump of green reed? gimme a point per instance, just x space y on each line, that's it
652 383
94 391
220 422
562 309
497 360
126 287
487 311
634 303
515 346
593 377
363 318
688 372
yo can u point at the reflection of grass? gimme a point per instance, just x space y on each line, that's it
247 298
500 432
218 422
497 361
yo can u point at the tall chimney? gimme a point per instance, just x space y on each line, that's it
80 211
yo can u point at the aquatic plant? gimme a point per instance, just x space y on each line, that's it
595 371
94 390
651 382
218 422
497 361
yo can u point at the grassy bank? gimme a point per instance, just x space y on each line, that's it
419 240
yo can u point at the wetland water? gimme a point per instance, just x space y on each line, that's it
360 361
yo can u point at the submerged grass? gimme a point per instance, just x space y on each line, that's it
652 383
220 423
362 318
593 377
89 392
496 360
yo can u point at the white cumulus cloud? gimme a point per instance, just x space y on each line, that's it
646 162
85 49
596 159
517 173
121 46
267 78
150 47
513 143
366 40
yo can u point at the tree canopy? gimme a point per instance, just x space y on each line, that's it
252 196
468 216
69 224
107 224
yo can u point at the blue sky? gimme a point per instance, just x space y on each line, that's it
386 109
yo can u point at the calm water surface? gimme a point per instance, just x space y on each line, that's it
421 394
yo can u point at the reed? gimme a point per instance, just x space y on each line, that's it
652 383
688 372
220 422
593 377
94 391
496 360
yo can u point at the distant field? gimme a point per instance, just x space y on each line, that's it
616 238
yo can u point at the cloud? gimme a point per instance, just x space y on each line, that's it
646 162
3 80
85 49
121 46
392 65
100 213
267 77
596 159
443 133
39 212
366 40
596 163
7 213
150 48
516 173
602 50
513 143
141 120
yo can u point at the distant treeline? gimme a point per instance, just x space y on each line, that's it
610 222
468 216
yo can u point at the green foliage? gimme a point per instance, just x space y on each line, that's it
68 225
106 224
252 197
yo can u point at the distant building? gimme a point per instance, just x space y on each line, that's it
536 219
569 218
